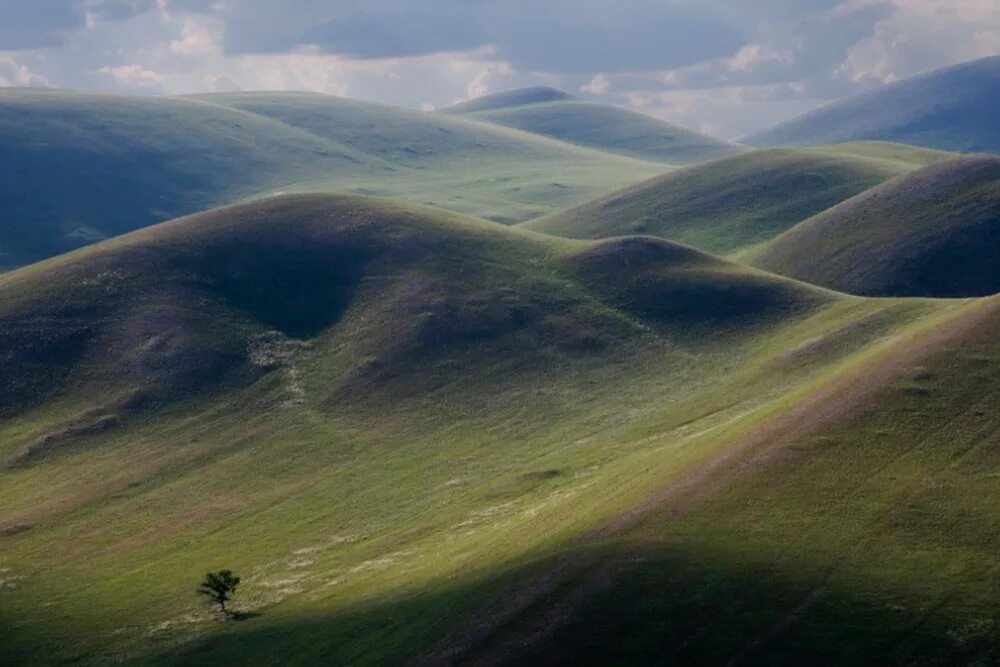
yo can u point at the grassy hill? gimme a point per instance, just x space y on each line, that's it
934 232
85 167
382 416
857 528
950 109
736 203
556 114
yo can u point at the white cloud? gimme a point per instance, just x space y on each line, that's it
134 75
198 38
752 56
13 73
599 85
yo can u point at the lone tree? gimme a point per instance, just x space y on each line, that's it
219 587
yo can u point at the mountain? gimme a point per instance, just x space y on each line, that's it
934 232
553 113
736 203
950 109
380 415
85 167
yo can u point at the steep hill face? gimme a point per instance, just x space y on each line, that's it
935 232
733 204
949 109
554 114
86 167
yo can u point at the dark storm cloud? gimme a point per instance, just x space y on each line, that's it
555 36
31 24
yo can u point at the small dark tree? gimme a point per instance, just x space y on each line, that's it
219 587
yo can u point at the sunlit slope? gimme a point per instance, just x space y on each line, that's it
861 531
375 413
934 232
950 109
471 167
732 204
553 113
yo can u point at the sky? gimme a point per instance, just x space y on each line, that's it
726 67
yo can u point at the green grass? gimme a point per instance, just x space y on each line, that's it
870 540
81 168
457 403
734 204
949 109
934 232
555 114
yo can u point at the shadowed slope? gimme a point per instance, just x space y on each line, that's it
732 204
82 167
561 116
935 232
950 109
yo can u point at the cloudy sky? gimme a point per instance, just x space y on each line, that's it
723 66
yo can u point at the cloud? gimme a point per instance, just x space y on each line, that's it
197 39
599 85
13 73
132 75
570 36
31 24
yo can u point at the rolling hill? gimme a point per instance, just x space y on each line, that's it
950 109
85 167
381 415
934 232
733 204
556 114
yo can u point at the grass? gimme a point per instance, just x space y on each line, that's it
948 109
934 232
868 541
732 205
462 402
82 168
552 113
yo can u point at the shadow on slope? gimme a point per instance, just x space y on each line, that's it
935 232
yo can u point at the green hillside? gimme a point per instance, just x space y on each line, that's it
380 415
934 232
950 109
86 167
736 203
857 528
553 113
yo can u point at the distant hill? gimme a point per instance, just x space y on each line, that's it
935 232
510 98
951 109
85 167
732 204
556 114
